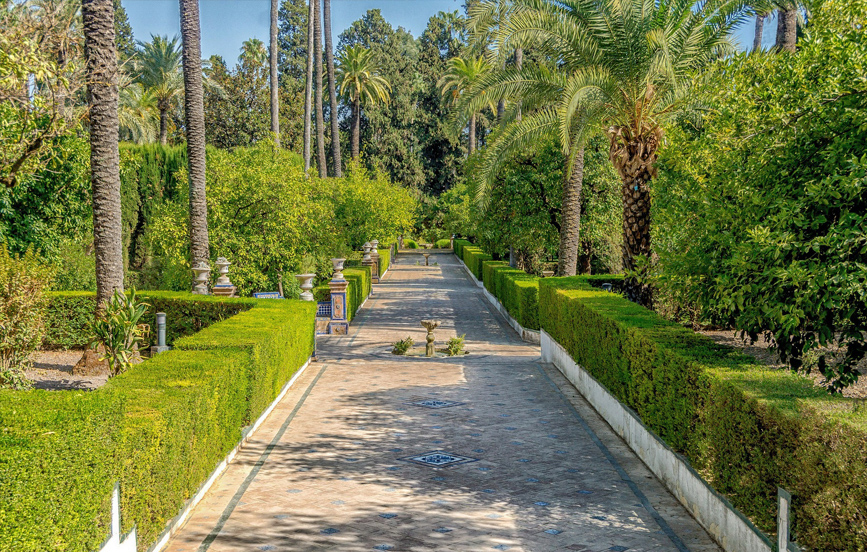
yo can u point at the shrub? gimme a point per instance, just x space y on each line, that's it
410 244
117 330
23 281
747 428
402 346
443 244
455 345
384 259
473 258
459 245
360 286
160 430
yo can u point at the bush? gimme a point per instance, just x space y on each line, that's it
459 246
410 244
474 257
384 259
359 288
402 346
443 244
23 281
160 429
68 315
747 428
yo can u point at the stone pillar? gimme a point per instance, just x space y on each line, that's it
339 324
367 260
374 256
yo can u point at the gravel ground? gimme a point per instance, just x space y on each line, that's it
52 370
762 352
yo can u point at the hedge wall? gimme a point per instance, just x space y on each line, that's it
747 428
159 429
459 247
360 286
69 314
474 257
384 259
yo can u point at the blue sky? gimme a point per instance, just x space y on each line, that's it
227 23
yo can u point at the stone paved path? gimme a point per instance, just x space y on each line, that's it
333 467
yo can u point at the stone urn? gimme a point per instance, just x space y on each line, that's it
203 273
338 269
430 326
306 283
366 247
547 273
374 244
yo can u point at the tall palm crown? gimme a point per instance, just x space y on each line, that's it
461 75
253 51
621 65
360 84
158 68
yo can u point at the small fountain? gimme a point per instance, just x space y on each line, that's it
305 281
430 326
426 259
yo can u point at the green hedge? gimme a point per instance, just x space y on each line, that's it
360 286
443 244
459 247
474 257
69 313
384 259
747 428
410 244
159 429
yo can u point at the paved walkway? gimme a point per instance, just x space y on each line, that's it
340 463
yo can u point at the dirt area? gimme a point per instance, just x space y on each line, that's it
52 370
762 352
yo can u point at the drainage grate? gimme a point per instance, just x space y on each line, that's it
439 459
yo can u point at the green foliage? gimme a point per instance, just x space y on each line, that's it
762 210
697 395
117 330
516 290
384 258
402 346
410 244
68 315
455 345
474 257
359 288
160 430
459 247
443 244
23 281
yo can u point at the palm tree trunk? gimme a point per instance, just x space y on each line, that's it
332 91
760 28
472 146
787 29
102 95
308 93
195 121
636 230
356 129
164 125
317 83
275 98
570 216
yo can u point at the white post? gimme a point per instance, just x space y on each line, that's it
115 543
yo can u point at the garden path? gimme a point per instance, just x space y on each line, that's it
332 468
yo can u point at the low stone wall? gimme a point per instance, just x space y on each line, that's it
733 531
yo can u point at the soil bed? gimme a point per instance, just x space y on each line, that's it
52 370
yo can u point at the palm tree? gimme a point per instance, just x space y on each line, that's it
137 114
359 84
102 73
275 98
320 118
461 75
253 52
194 109
308 89
158 68
332 90
787 26
626 67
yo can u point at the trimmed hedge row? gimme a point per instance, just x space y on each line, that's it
474 257
159 429
516 290
459 247
69 314
384 259
747 428
360 286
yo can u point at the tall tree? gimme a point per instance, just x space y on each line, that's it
158 68
317 84
102 95
760 31
787 28
275 93
195 121
308 93
123 36
628 66
460 76
332 90
360 84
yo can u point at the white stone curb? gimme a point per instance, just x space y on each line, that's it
731 529
530 336
175 524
